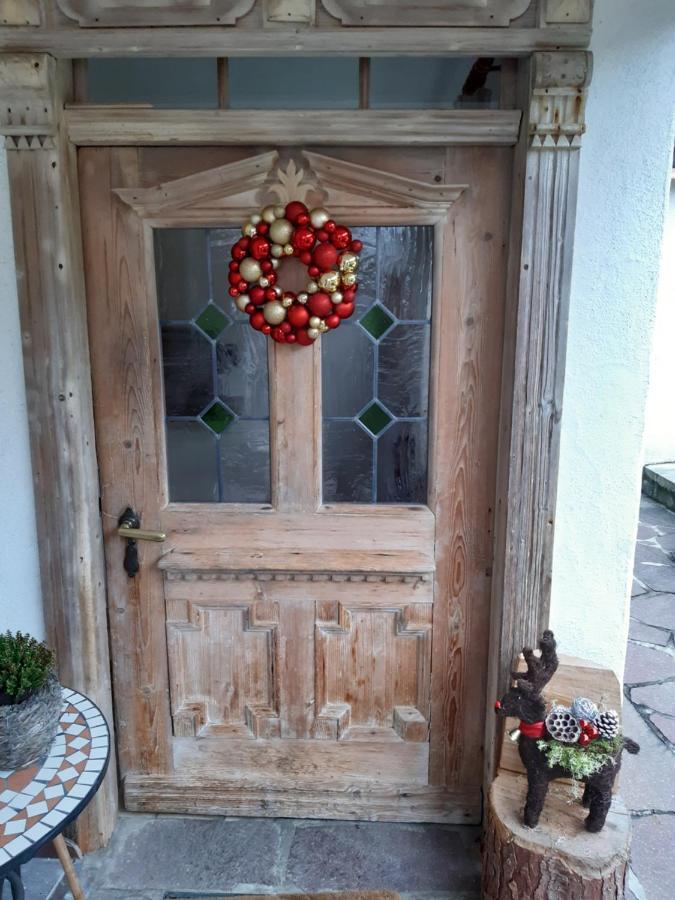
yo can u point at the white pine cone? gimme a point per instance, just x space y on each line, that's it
562 725
607 723
583 708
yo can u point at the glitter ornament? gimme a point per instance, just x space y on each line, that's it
583 708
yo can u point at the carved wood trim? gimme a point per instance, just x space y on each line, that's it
123 14
252 575
427 12
566 12
20 12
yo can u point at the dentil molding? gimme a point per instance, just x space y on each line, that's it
558 100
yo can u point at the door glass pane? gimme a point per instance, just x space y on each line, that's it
434 82
215 374
189 83
294 82
375 375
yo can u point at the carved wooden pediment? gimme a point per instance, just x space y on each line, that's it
153 13
239 187
426 12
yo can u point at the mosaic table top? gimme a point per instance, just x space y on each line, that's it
38 801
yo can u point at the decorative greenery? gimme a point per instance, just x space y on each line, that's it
25 665
581 762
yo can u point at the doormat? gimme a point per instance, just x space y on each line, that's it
340 895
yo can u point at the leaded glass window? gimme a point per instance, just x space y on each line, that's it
375 374
215 374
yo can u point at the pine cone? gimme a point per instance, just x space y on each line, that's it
607 723
562 725
583 708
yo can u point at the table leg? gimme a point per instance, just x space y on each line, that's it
16 884
68 867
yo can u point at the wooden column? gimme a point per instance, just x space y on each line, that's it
534 359
47 246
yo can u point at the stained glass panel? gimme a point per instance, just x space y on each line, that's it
375 375
215 374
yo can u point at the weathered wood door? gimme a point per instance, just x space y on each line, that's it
311 637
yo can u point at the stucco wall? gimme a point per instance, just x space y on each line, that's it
625 167
660 425
20 599
625 163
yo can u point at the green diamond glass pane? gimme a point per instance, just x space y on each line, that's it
376 321
375 418
217 417
212 321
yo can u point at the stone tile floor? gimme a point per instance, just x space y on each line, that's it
160 857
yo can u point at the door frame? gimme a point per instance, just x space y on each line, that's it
42 137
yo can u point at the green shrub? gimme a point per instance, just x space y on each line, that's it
25 665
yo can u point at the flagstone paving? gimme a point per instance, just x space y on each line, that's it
161 857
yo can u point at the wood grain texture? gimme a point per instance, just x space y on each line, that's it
436 13
122 14
110 126
45 216
114 245
72 42
467 348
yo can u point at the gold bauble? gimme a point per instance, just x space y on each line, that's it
286 302
312 287
313 333
279 212
329 281
249 269
318 217
264 282
323 328
337 297
281 231
288 249
248 230
349 278
242 302
277 250
268 214
274 312
349 262
315 322
255 219
302 297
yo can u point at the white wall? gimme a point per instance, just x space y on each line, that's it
625 167
20 599
660 425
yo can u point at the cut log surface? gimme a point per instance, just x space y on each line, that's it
558 860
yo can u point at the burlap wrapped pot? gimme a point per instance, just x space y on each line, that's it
27 729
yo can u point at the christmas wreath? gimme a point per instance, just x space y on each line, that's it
326 248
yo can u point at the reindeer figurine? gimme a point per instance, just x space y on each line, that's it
524 701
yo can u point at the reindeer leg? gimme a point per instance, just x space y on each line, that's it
586 799
600 802
537 788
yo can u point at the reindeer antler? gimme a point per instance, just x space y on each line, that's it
540 669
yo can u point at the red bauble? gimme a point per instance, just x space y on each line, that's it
298 315
272 277
303 238
266 328
234 266
249 309
243 287
257 321
302 219
270 294
322 235
262 227
294 209
349 295
303 338
329 226
333 321
286 327
290 338
260 247
320 305
244 242
233 292
341 237
325 256
356 246
266 266
234 278
238 252
278 335
344 310
257 295
314 271
305 257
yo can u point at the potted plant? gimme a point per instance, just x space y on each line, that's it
30 700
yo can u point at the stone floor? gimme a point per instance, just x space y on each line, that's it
162 857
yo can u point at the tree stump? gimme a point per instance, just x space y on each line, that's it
558 860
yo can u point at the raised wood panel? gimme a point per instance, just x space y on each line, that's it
154 13
224 669
372 671
110 126
426 12
20 12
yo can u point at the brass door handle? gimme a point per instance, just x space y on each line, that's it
129 528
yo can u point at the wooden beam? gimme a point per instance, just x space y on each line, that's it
544 203
123 125
71 42
47 246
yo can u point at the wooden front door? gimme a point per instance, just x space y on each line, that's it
311 638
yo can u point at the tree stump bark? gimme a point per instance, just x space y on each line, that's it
558 860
